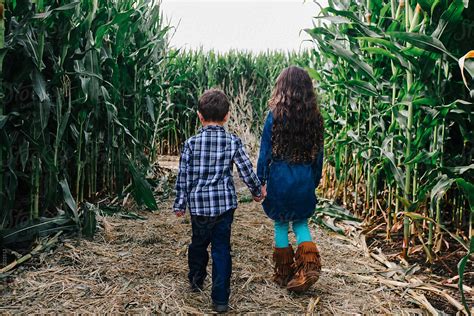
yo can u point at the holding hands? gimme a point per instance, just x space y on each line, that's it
257 199
262 196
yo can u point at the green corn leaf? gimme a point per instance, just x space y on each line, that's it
422 41
452 15
314 74
425 5
422 156
440 189
379 51
416 216
149 106
131 215
24 153
393 48
331 212
70 202
3 121
68 6
351 16
362 87
65 7
327 225
461 169
39 85
45 111
141 189
334 19
404 201
31 230
461 268
468 189
100 33
352 59
399 177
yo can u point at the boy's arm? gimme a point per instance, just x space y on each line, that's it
265 155
181 181
245 168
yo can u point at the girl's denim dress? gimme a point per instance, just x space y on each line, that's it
291 187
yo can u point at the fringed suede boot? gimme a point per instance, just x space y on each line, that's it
307 267
284 260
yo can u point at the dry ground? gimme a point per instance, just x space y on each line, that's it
139 266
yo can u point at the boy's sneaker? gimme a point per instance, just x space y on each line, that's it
220 308
196 288
197 284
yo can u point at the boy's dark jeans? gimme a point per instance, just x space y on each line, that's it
214 231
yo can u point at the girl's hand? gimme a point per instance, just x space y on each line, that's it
262 196
180 213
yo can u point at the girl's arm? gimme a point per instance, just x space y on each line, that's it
265 155
317 167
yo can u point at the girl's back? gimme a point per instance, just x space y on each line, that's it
290 185
290 164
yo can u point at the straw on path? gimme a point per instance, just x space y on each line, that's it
140 266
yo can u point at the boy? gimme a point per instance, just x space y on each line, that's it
206 186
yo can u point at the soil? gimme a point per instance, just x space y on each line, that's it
443 267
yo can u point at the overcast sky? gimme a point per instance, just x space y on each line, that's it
256 25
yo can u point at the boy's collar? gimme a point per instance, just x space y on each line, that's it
211 127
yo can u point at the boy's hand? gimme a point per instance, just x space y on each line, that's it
262 196
180 213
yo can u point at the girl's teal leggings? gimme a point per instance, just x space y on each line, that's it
300 228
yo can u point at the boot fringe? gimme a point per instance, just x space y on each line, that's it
307 247
283 269
308 257
283 255
307 267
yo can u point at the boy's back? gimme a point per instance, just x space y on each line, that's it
208 159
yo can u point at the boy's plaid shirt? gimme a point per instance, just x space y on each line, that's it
205 182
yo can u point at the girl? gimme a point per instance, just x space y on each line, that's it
290 164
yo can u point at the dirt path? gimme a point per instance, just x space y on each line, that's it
140 266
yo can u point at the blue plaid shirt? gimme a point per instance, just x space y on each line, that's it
205 182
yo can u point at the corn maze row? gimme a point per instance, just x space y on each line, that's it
92 93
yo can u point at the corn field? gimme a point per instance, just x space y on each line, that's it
92 94
74 127
399 116
245 77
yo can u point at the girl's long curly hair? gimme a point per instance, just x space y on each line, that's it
298 128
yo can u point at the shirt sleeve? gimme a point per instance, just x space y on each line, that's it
265 155
182 179
245 168
317 167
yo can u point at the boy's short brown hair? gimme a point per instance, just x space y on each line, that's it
213 105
